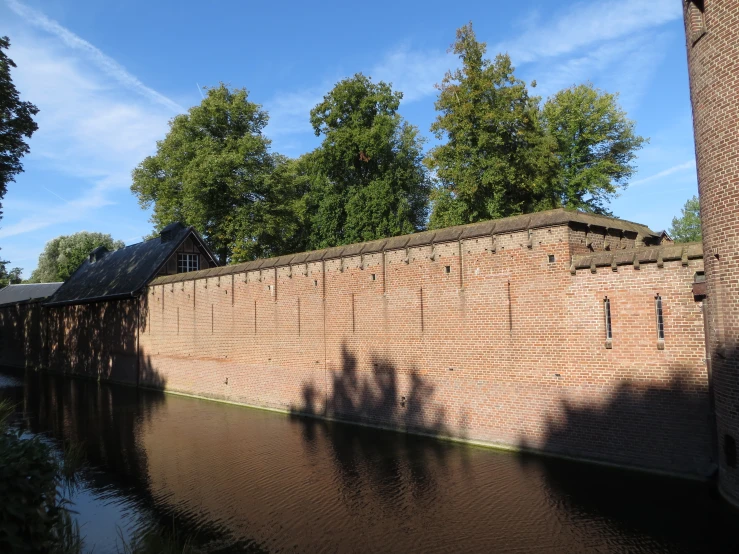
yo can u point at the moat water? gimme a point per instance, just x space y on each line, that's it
230 479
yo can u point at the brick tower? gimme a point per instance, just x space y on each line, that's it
712 31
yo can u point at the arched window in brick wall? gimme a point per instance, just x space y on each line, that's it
695 16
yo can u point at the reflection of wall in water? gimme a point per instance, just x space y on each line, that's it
332 487
497 339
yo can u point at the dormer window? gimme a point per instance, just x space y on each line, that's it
187 263
98 254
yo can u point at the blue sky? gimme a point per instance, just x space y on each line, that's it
108 76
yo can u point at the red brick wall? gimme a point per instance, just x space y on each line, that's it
713 61
509 352
21 340
93 340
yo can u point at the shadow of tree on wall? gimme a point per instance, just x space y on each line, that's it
99 340
382 396
662 425
368 458
20 335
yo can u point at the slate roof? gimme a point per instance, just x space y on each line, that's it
549 218
25 292
125 272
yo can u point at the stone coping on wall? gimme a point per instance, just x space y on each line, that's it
550 218
638 256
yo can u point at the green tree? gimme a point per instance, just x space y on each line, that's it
595 148
367 178
63 255
687 227
12 277
496 154
276 224
214 171
16 123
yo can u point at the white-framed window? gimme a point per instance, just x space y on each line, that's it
187 263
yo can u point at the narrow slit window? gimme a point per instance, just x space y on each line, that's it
660 318
607 313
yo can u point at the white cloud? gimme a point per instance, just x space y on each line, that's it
685 167
585 24
69 211
623 66
104 63
289 112
413 72
612 43
96 123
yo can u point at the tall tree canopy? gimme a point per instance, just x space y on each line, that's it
595 148
367 177
495 154
63 255
16 123
687 227
214 170
504 155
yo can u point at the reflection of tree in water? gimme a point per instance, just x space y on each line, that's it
108 420
104 419
396 466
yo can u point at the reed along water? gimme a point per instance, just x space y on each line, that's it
224 478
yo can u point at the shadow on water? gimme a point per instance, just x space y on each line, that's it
660 425
639 511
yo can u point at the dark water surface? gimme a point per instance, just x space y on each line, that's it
239 479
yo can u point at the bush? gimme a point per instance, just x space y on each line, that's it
28 486
33 514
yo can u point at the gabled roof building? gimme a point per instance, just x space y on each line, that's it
124 273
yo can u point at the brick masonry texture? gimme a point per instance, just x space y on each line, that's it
712 32
503 347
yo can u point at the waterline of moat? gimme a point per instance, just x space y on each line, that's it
238 479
